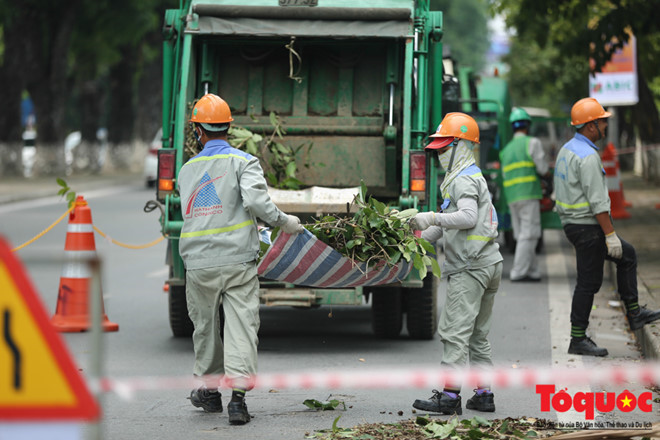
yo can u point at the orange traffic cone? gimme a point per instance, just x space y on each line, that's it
626 203
72 311
618 208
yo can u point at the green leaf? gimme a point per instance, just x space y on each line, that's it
62 191
428 247
442 430
380 207
325 405
417 262
334 424
291 169
363 190
71 197
61 182
426 260
435 268
272 179
480 421
273 119
406 213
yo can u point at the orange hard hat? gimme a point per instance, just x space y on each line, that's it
454 125
211 109
587 110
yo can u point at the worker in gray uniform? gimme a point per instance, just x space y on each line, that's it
473 263
223 192
583 205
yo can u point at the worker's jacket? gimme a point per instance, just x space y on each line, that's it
223 192
475 247
519 171
580 186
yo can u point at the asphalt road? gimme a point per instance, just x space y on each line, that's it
530 331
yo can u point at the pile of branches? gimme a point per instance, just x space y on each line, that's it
376 233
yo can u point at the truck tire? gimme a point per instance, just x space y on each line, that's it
422 309
180 323
386 312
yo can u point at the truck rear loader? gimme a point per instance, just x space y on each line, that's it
362 82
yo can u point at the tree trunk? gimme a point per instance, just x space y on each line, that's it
47 33
121 121
12 79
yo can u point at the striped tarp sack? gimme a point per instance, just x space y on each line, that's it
305 260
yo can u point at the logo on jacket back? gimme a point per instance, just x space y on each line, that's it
204 199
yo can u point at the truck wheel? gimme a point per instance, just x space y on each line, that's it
180 323
386 312
422 312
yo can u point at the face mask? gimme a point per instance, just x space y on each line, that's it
446 157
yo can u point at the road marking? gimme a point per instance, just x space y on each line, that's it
159 273
54 200
560 297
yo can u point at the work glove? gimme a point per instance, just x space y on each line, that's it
423 221
614 248
432 234
292 225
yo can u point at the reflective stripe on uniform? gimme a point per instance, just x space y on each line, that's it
576 206
479 238
516 165
217 156
217 230
519 180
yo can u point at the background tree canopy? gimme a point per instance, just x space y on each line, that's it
85 64
465 30
89 64
555 39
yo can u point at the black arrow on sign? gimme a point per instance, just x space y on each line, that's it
14 349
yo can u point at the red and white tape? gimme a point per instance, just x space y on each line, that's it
641 374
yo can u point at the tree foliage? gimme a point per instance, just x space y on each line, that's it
465 26
60 50
568 33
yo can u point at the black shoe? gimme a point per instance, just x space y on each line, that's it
238 412
526 279
440 403
586 347
482 402
642 316
209 401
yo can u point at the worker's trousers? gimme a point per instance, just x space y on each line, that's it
465 319
526 222
590 254
233 290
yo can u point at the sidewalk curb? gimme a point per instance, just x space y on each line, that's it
648 336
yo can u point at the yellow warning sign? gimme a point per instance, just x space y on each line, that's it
38 379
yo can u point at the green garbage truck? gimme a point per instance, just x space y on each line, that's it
361 81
